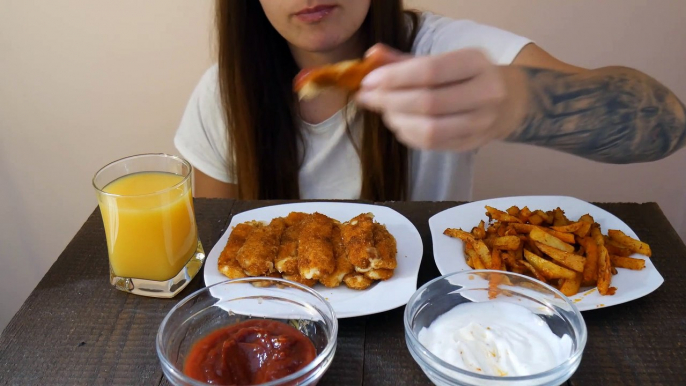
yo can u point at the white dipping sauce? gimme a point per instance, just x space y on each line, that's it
495 338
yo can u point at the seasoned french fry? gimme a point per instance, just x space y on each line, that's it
499 215
569 260
559 218
570 287
633 244
604 272
536 219
627 262
509 243
570 228
548 239
513 211
614 248
584 229
533 270
566 237
524 214
591 266
548 269
478 232
587 218
545 216
496 260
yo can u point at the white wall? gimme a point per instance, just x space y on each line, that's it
84 82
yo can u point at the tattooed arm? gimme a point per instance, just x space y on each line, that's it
613 114
460 101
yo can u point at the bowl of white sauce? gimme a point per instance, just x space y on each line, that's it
487 327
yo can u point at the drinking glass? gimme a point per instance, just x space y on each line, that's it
147 209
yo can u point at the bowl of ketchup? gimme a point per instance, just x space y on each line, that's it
250 331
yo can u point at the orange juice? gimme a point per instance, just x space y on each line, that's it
149 224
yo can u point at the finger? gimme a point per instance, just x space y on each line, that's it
453 98
428 71
454 132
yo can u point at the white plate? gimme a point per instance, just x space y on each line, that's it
382 296
449 255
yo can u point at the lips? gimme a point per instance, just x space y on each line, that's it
314 14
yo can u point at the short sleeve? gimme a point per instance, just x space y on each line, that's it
438 34
202 137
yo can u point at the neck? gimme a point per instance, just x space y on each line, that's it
351 49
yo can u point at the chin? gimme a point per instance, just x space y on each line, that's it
323 43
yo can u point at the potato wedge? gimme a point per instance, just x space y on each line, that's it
569 260
587 218
499 215
627 262
535 219
545 216
566 237
559 218
546 238
584 229
570 228
533 270
631 243
479 246
604 272
496 260
570 287
548 269
590 276
614 248
513 211
508 243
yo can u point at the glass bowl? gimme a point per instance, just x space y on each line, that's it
235 301
446 292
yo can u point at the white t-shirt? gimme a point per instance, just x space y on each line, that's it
331 168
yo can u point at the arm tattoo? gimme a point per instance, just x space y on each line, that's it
614 115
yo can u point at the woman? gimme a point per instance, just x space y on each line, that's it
413 129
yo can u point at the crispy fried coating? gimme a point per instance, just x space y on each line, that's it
265 284
358 237
295 218
386 249
379 274
299 279
357 281
343 266
286 260
257 255
315 249
227 264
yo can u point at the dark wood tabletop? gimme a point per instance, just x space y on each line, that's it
75 328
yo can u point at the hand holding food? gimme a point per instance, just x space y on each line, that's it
551 248
455 101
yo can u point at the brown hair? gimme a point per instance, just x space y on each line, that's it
256 71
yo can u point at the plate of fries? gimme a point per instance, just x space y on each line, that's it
587 253
382 295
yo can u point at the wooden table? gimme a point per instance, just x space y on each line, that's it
77 329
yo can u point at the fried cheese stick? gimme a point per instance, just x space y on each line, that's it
385 261
315 249
343 266
358 237
257 255
228 265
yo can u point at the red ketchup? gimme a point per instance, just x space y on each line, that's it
249 353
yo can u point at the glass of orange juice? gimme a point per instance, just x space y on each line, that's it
146 203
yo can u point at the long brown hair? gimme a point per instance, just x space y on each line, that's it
256 71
